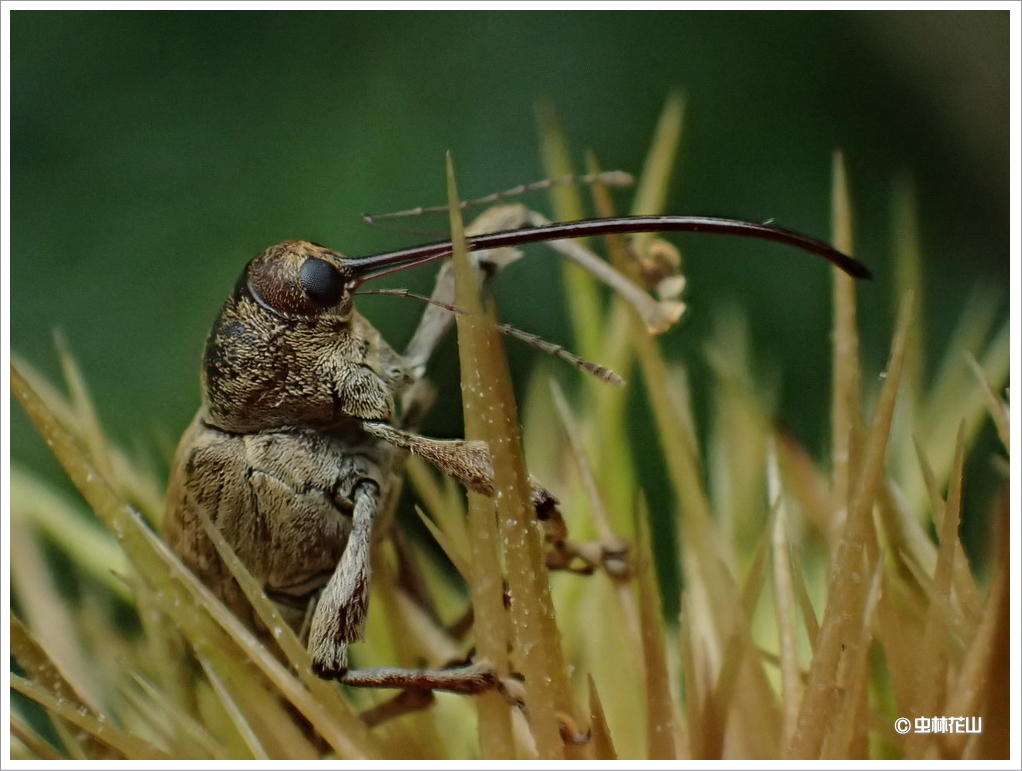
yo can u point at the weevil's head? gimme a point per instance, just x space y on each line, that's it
299 281
288 347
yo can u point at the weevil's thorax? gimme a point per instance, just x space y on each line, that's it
289 349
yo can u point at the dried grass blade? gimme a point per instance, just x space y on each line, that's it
848 733
898 629
48 611
974 327
444 503
934 656
602 742
537 639
908 277
186 733
33 742
805 603
998 725
218 636
491 625
957 397
273 719
905 533
618 651
695 697
164 644
566 204
809 486
846 592
658 167
98 728
752 589
998 409
846 406
784 604
41 668
249 735
972 683
609 403
719 614
459 559
61 521
968 593
77 413
597 505
660 726
87 422
965 698
705 566
720 701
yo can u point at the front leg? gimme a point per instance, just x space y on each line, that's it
467 462
339 617
340 614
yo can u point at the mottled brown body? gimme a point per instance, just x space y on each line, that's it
294 448
277 456
282 498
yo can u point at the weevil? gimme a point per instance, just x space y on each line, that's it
307 411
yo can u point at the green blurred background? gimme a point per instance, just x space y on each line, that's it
153 153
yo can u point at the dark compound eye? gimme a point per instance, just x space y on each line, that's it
321 281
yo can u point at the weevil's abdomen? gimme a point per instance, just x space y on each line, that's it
281 499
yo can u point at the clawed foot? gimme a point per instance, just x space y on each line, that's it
419 686
588 556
